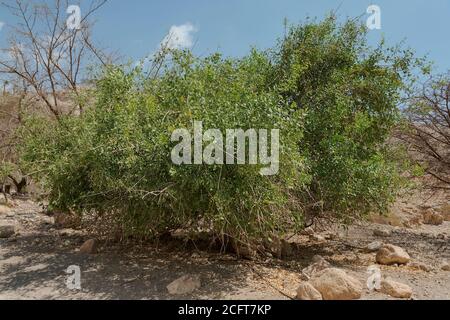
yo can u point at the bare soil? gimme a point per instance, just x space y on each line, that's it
33 263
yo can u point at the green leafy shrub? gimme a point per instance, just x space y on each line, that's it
332 97
116 157
350 94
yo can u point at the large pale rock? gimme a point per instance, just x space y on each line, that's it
184 285
307 292
432 218
390 254
89 247
335 284
7 231
395 289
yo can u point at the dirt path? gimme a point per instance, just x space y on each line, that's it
33 263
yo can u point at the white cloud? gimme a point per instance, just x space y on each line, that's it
1 25
179 37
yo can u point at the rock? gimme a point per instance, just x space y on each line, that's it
307 292
445 266
420 266
7 231
374 246
89 247
381 233
336 284
319 264
184 285
4 209
395 289
441 236
432 218
317 238
390 254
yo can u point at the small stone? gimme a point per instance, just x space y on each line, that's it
395 289
445 266
184 285
317 238
390 254
374 246
336 284
432 218
420 266
381 233
307 292
89 247
7 231
441 236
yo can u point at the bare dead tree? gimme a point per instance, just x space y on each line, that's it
428 129
45 62
48 55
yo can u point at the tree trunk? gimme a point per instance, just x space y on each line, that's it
19 184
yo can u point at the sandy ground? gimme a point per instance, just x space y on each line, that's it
33 263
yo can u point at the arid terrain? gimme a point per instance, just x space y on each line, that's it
33 262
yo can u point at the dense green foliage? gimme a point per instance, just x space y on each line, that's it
351 94
333 98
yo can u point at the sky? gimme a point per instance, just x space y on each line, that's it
136 28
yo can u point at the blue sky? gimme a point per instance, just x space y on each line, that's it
136 27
